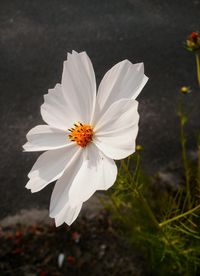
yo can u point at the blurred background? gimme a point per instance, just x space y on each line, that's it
35 37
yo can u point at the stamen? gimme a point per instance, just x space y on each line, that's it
81 134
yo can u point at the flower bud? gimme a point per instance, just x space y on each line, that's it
193 41
139 148
185 90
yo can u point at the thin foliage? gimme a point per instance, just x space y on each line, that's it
163 224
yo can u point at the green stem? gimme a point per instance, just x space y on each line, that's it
198 67
179 216
148 209
198 166
147 206
117 209
142 199
138 192
137 167
184 158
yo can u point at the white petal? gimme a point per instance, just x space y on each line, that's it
44 137
116 130
124 80
56 111
59 197
50 166
94 171
68 215
79 85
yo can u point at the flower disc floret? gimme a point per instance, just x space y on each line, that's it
81 134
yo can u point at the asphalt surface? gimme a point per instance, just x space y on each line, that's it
34 39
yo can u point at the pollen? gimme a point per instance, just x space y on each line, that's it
81 134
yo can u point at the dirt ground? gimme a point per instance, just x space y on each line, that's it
89 247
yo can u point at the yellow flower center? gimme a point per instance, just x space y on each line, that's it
81 134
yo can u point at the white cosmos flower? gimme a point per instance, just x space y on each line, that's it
84 133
